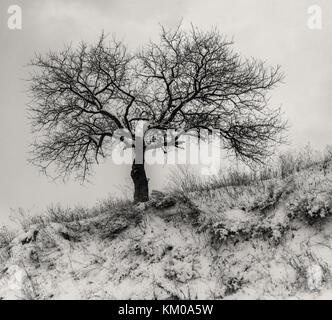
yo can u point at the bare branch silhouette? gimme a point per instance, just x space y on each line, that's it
189 80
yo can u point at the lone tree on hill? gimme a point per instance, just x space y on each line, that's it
188 80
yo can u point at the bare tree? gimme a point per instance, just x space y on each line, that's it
188 80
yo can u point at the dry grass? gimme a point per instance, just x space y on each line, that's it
107 217
183 179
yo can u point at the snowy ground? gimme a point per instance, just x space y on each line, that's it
223 244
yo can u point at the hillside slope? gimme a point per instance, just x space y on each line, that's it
264 241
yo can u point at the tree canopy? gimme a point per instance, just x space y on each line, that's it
187 80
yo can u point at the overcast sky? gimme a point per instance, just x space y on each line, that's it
272 30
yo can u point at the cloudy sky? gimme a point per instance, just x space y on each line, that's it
272 30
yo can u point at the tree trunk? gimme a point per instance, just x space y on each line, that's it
141 193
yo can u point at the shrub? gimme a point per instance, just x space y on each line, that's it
267 229
221 232
152 249
183 265
6 236
274 192
311 206
233 284
312 272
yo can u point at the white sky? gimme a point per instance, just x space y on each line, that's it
272 30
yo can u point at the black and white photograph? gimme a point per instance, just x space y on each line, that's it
165 150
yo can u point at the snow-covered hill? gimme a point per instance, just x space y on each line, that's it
270 240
